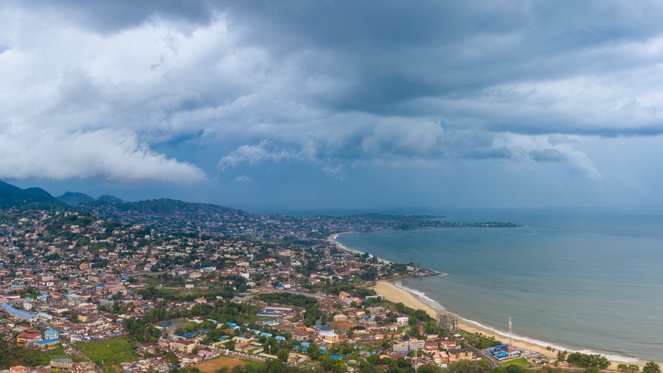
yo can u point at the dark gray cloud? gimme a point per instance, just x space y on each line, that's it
337 86
114 16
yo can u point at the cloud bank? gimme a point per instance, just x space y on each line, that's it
101 90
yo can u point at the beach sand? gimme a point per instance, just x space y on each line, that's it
390 291
395 294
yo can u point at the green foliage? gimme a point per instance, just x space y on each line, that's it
561 355
189 369
481 342
465 366
282 354
297 300
651 367
520 362
109 351
588 361
33 358
430 369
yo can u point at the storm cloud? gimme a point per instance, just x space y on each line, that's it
240 92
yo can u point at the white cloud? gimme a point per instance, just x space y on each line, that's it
114 155
254 154
242 179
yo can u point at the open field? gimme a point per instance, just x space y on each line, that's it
210 366
521 362
109 352
44 357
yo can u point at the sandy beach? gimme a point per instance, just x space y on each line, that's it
390 291
395 294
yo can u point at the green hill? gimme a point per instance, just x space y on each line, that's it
75 199
28 199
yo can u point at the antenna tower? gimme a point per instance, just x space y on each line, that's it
510 332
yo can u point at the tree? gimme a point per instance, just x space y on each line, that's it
282 354
561 355
651 367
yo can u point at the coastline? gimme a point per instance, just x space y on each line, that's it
391 290
394 293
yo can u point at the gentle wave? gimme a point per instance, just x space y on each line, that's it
436 305
424 298
343 247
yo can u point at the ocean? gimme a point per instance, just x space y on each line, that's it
573 279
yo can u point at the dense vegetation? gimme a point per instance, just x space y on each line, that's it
144 330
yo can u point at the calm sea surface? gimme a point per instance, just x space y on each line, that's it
584 280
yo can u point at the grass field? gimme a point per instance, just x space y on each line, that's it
521 362
33 357
109 352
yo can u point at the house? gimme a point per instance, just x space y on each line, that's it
340 317
300 335
329 336
48 344
28 339
416 344
62 363
182 346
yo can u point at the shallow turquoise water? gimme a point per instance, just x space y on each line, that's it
588 280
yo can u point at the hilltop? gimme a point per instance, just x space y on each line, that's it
28 199
174 216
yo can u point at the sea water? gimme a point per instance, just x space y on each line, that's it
580 280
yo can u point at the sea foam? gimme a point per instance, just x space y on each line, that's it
421 295
436 305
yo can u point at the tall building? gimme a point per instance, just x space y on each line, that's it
447 321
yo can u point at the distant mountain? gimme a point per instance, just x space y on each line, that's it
165 206
12 196
167 214
75 199
153 207
109 199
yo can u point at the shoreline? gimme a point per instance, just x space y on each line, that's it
396 294
391 290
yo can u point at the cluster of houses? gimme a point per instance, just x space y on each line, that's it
69 278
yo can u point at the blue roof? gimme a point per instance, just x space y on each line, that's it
306 344
14 311
51 332
45 341
336 357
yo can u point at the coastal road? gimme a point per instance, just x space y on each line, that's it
493 363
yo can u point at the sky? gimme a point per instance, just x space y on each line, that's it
277 105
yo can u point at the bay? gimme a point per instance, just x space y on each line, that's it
584 280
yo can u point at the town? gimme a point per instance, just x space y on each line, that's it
83 293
